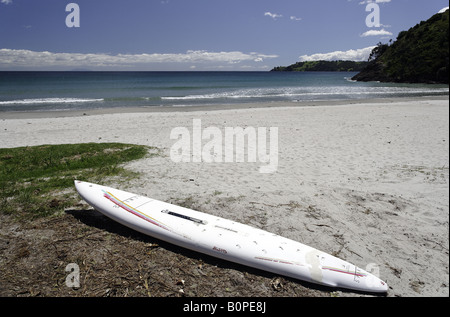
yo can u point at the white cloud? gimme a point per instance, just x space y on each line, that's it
273 15
10 58
376 1
381 32
276 16
350 55
6 1
443 10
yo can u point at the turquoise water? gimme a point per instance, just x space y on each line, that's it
41 91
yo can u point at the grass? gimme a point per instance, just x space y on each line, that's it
38 181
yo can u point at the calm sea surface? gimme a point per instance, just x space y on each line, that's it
41 91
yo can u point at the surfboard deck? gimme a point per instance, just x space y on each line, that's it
227 239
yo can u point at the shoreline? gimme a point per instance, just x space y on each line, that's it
5 115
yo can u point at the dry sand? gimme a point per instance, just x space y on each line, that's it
368 181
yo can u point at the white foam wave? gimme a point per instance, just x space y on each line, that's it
306 92
46 101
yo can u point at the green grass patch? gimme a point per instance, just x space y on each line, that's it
38 181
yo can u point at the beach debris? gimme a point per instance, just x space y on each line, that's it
181 282
417 286
54 203
276 285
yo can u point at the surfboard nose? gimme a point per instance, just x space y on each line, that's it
79 185
82 184
375 284
382 286
84 189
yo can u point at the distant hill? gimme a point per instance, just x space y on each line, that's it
419 55
323 66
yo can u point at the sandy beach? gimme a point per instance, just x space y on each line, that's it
367 181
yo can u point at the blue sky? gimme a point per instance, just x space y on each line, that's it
196 34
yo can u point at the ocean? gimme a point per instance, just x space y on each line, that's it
45 91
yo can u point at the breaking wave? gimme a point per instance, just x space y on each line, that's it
41 101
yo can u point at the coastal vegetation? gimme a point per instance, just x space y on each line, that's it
323 66
419 55
38 181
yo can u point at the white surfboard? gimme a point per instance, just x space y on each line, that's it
227 239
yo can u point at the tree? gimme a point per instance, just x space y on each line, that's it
378 51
